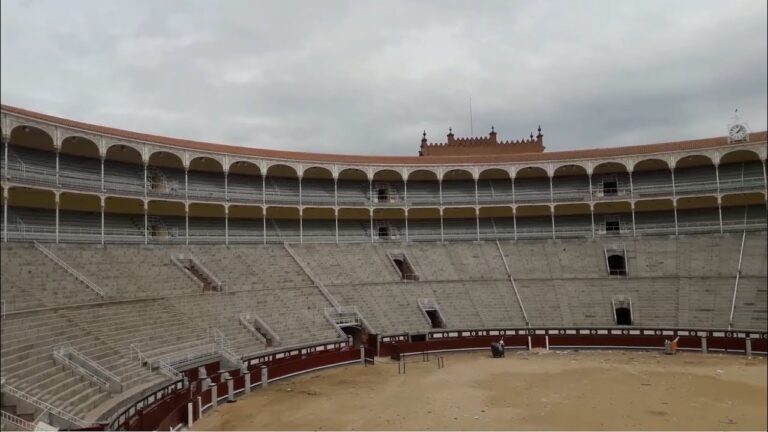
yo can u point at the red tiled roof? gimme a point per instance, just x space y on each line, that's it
385 160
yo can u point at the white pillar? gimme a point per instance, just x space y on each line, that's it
247 374
301 225
748 346
511 179
226 186
406 225
720 212
300 190
336 220
442 235
440 185
186 184
146 227
371 218
264 376
631 186
551 192
552 215
632 204
58 149
264 224
477 198
514 221
102 220
335 192
477 221
102 173
186 224
592 216
57 213
704 349
5 214
145 180
674 207
226 225
5 156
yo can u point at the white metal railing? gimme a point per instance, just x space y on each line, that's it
512 281
311 276
166 369
43 405
263 326
17 421
93 371
68 268
738 276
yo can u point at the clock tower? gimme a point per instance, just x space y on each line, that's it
737 130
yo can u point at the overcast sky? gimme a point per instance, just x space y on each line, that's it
367 77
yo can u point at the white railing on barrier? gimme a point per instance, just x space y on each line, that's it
168 370
68 268
60 355
40 404
88 367
17 421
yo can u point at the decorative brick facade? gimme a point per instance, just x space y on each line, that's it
481 145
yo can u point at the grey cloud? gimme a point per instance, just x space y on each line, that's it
368 77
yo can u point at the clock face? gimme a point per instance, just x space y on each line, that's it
737 132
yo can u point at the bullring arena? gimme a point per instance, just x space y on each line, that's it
148 281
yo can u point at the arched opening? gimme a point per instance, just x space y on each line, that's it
282 224
354 225
494 185
741 171
166 222
388 224
318 225
165 175
533 221
570 183
497 223
744 211
623 316
651 178
695 175
205 179
698 214
610 180
317 187
573 221
458 187
616 265
282 185
31 214
207 223
123 170
246 224
79 217
613 218
387 187
424 224
531 185
31 156
459 223
352 187
244 182
123 220
423 188
79 163
654 217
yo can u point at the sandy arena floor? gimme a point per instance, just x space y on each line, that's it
533 391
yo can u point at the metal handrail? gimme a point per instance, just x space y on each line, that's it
68 268
46 406
18 421
65 350
60 354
